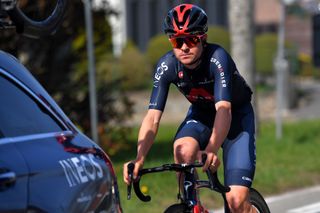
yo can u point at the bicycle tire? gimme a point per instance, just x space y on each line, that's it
36 29
178 208
257 200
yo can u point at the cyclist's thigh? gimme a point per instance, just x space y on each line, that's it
239 152
196 130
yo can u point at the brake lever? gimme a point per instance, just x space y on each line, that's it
130 174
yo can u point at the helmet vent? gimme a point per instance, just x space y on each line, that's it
185 17
182 8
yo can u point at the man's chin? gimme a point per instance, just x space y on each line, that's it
187 62
190 63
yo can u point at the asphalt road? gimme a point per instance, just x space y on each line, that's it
309 105
300 201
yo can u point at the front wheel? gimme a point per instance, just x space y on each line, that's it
258 201
178 208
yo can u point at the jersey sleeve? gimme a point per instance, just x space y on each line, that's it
222 70
161 83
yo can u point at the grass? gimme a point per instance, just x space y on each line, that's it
282 165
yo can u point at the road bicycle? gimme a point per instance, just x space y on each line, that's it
12 16
187 195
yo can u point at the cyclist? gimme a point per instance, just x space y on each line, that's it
220 114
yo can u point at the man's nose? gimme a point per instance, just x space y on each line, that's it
185 48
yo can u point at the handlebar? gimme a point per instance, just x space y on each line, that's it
29 27
212 183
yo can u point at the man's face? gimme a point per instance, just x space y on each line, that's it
187 49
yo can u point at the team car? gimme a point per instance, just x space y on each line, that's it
46 163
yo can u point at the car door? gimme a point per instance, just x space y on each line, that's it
22 121
13 178
65 172
64 178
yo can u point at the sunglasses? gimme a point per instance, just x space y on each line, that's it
190 41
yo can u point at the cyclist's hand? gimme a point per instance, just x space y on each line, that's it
137 167
212 162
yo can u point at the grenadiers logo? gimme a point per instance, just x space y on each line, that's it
217 63
160 70
220 68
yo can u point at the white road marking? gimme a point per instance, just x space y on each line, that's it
312 208
292 194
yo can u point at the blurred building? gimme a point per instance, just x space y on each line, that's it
298 23
139 20
267 15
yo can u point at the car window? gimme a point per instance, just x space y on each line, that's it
20 114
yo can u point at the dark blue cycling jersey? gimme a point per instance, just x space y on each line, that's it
215 79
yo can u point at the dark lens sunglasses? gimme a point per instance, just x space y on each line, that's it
190 41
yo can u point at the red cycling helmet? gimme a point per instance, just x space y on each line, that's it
185 19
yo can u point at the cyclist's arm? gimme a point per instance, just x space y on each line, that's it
147 133
150 123
222 92
149 127
221 126
220 131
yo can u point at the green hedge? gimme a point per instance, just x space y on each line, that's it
219 35
134 68
265 50
157 47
